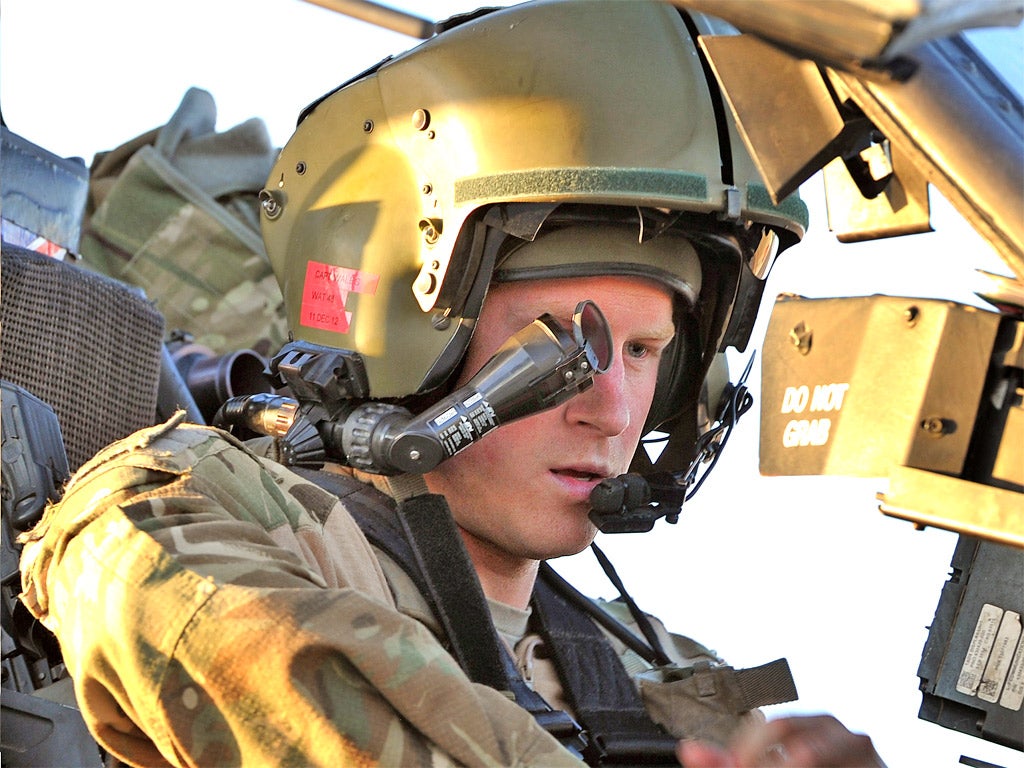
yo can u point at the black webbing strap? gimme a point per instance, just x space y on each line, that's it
458 598
421 537
460 606
601 692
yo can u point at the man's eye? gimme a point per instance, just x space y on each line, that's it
636 349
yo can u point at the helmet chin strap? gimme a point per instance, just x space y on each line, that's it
633 503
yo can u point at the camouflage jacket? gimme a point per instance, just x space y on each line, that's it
214 608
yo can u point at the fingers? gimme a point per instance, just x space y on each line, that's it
818 741
804 742
702 754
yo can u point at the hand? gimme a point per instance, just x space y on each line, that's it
816 741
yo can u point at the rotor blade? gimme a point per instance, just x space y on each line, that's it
381 16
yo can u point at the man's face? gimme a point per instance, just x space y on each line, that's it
523 491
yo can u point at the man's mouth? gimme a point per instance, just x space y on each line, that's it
579 474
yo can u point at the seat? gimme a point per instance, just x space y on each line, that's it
87 345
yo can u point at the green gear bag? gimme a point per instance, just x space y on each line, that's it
174 211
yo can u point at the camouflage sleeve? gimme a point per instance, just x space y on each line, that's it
214 608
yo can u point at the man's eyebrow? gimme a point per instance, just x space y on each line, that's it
666 331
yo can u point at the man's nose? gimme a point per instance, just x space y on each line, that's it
605 405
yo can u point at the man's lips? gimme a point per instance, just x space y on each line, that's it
578 483
577 474
585 473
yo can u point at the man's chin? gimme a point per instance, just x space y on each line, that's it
574 547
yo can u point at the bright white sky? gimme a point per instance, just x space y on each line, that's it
758 568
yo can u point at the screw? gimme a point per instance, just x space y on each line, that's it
911 315
367 126
300 167
269 203
431 229
936 426
414 455
440 321
420 120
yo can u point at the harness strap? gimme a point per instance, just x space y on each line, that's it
600 690
458 599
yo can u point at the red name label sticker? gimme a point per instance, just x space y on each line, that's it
325 293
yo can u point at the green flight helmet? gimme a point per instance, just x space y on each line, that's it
390 208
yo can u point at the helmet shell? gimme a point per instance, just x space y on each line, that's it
371 203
